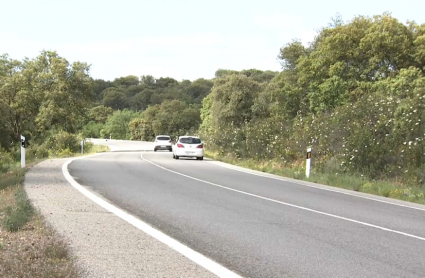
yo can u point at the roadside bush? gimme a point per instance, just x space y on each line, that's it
6 160
92 130
35 151
61 143
88 147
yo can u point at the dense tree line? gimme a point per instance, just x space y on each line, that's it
47 95
356 95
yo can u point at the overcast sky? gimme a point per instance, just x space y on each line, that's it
182 39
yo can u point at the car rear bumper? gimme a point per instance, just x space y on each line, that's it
163 147
184 152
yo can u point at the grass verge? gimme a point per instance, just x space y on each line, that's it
29 247
386 188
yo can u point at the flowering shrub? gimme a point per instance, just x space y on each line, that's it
380 135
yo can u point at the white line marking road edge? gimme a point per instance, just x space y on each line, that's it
192 255
288 204
312 186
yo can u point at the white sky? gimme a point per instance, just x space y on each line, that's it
182 39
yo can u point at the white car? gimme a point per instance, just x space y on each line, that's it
163 142
188 146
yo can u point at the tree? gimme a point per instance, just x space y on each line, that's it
165 82
148 81
11 122
68 93
141 100
346 59
198 89
98 86
99 114
173 117
223 72
290 53
141 130
418 32
115 98
388 45
117 125
42 94
233 97
126 81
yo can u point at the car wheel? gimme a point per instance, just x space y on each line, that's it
177 157
174 156
200 158
170 150
154 149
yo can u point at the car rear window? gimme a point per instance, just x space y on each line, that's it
190 140
163 138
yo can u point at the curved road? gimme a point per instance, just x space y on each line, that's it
260 225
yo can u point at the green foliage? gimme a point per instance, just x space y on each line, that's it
198 90
220 73
355 95
15 176
117 125
141 100
166 82
99 114
6 161
173 117
37 151
61 143
141 129
98 86
68 96
346 56
126 81
115 98
290 54
41 94
92 130
233 97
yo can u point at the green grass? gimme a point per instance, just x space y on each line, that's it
12 177
33 248
18 215
386 188
97 149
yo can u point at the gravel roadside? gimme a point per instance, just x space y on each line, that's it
104 244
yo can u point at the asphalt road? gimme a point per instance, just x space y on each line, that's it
260 226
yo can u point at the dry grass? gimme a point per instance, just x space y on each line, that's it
29 246
33 249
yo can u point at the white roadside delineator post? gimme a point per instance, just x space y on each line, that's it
22 151
82 146
308 163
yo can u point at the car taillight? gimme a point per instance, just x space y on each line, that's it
200 147
180 146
